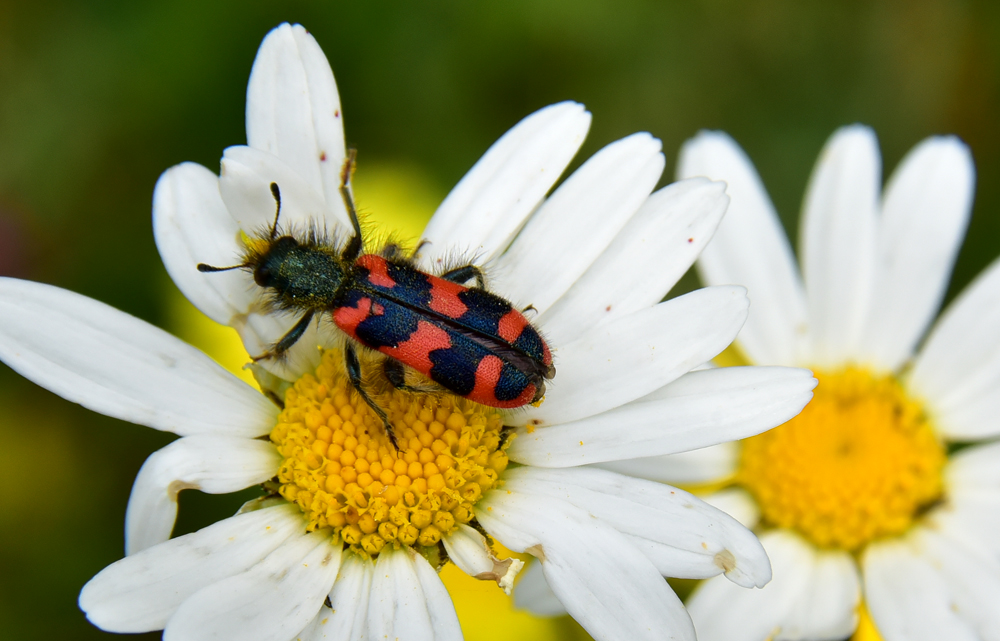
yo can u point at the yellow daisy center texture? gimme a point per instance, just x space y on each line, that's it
860 463
341 470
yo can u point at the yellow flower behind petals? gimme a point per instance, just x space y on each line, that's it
861 462
341 470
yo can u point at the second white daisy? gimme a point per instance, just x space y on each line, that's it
858 500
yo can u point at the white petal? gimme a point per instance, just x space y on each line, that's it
349 599
206 462
971 515
697 466
118 365
469 550
643 262
444 620
606 584
321 627
697 410
737 503
534 594
958 370
827 607
271 601
245 185
683 536
625 359
492 201
579 221
293 112
976 467
926 210
408 603
838 242
722 611
192 225
140 592
907 598
814 595
750 248
972 580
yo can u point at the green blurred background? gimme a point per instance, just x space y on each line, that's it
98 98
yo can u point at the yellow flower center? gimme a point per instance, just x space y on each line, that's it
343 473
859 463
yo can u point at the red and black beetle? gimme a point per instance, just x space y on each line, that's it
468 340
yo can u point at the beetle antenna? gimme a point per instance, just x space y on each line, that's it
203 268
355 244
277 199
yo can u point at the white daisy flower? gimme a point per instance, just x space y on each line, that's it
347 543
861 501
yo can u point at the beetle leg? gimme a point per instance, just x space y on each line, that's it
395 373
392 251
463 274
420 245
354 246
354 374
289 339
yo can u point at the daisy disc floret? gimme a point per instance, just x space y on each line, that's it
345 475
862 501
348 537
859 464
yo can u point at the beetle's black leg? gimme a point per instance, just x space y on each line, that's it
392 251
463 274
354 246
289 339
395 373
354 374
